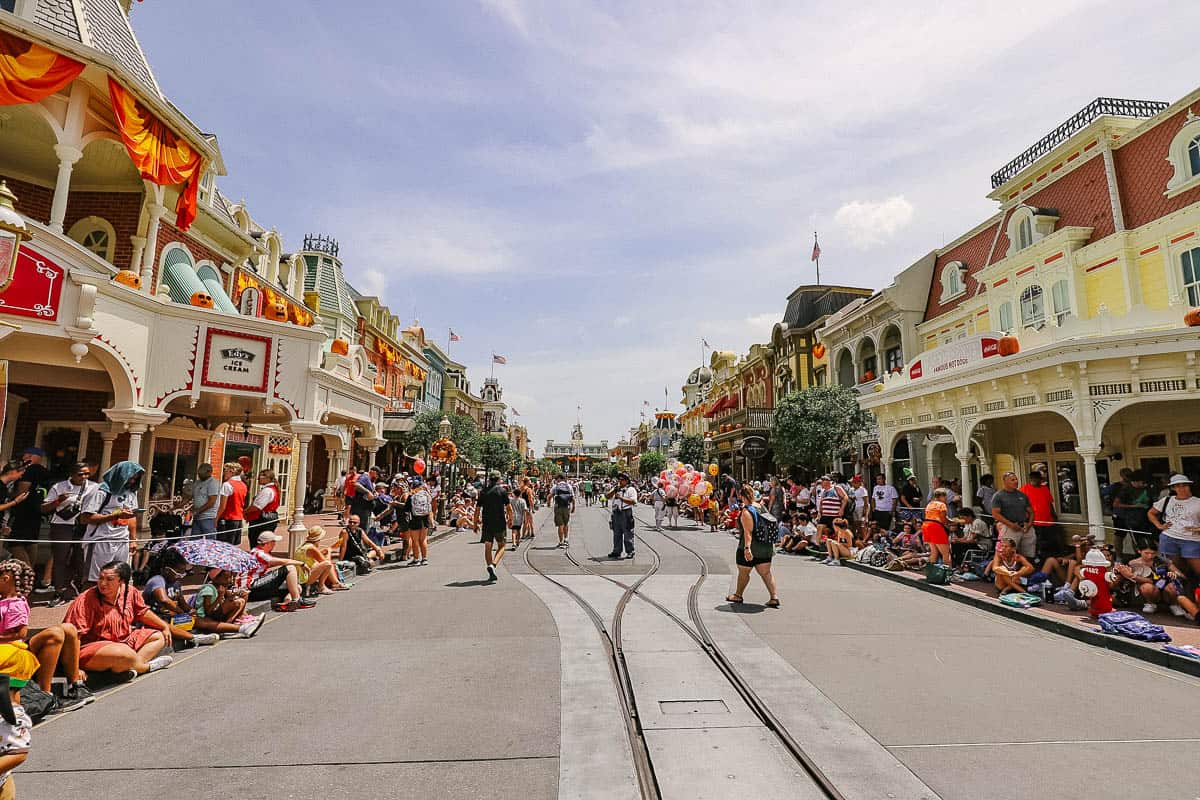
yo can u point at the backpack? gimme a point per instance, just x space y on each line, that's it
562 496
766 527
37 702
1020 600
1133 626
422 504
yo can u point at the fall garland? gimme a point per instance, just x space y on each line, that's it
444 450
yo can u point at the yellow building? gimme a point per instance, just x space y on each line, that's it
1086 271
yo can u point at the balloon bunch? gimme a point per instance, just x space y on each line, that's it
685 483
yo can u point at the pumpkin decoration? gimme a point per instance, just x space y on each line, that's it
1009 345
818 351
128 277
380 388
1192 318
201 300
868 376
340 347
276 310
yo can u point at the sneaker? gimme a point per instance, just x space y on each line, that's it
68 703
491 573
827 561
126 676
566 543
614 555
306 602
628 555
835 562
413 562
248 629
1178 611
284 607
1149 608
424 562
205 639
56 602
162 662
80 689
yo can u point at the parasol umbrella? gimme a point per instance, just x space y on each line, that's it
216 554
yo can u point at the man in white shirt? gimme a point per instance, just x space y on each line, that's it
623 498
883 502
64 501
859 494
1178 520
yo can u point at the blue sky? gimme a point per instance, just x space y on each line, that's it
589 188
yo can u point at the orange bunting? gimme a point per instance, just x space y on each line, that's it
161 156
30 72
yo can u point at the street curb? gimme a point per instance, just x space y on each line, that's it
1128 647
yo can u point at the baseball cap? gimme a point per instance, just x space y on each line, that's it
494 474
267 536
34 451
1177 480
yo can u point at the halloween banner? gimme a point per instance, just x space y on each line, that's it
30 72
161 156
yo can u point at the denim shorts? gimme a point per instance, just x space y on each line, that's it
1169 546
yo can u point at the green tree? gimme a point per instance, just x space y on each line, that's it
462 432
815 427
691 450
651 463
496 452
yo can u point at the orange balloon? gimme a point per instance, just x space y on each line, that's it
419 466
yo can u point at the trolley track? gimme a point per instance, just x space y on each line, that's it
697 630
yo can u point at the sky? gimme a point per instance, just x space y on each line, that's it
591 188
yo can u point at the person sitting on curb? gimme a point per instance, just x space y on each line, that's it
104 616
1149 579
354 545
319 574
221 609
838 544
163 594
1010 568
48 646
273 576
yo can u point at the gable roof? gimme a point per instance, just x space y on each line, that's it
102 25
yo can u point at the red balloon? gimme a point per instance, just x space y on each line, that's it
419 467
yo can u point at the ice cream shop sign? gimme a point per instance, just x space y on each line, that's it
955 356
236 361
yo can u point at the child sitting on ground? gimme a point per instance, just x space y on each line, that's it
164 595
1010 568
221 609
908 549
1149 579
17 667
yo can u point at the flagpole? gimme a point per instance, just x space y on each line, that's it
817 257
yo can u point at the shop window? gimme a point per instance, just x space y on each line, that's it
1187 438
1060 295
1006 317
1033 307
1064 447
1037 447
1191 275
174 462
893 358
1067 477
1193 153
1153 440
1184 157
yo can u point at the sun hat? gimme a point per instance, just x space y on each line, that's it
1179 480
267 536
315 534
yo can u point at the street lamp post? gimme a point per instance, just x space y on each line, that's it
445 429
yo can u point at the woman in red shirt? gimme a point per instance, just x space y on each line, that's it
104 616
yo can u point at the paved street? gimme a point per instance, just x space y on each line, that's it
424 682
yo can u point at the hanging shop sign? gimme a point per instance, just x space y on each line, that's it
753 447
236 361
957 355
35 288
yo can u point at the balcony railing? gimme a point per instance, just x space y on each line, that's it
1111 106
752 419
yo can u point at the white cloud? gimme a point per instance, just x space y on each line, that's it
868 224
511 12
373 283
621 322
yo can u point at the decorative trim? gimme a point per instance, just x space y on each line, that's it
1184 237
1053 258
1095 267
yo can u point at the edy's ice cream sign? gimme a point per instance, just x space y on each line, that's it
957 355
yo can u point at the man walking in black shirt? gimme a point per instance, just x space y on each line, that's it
493 516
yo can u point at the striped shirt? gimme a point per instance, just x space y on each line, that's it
829 503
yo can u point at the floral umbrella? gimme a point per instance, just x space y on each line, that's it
212 553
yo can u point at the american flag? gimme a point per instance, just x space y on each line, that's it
499 359
515 412
816 253
454 337
705 343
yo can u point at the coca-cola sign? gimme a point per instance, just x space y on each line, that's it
957 355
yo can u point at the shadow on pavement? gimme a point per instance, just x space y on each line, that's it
465 584
741 608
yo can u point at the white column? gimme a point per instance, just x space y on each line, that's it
371 453
156 211
139 247
67 156
297 529
108 437
1091 488
135 442
964 480
886 464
